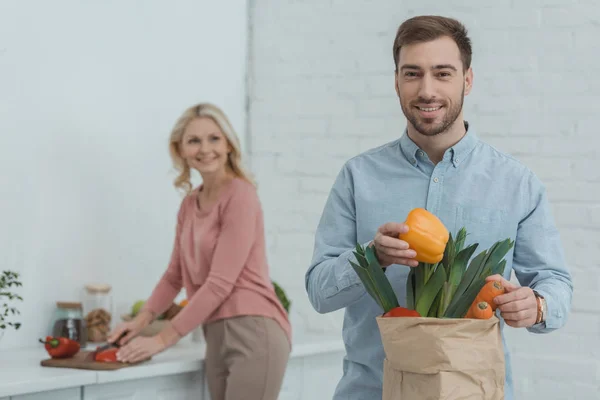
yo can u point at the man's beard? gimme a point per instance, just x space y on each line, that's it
427 129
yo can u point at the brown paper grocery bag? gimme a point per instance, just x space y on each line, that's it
442 359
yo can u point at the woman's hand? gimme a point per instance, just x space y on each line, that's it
142 348
133 328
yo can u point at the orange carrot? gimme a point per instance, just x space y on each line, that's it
481 310
487 293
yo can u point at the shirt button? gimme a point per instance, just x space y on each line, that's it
421 153
436 180
457 160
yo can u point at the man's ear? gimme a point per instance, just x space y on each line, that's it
468 81
396 84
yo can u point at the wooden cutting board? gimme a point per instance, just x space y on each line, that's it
82 361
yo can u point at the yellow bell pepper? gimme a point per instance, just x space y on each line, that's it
426 235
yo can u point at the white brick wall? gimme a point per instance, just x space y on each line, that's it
321 90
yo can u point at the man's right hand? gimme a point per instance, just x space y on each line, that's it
391 250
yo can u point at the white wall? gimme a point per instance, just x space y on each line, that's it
322 91
88 94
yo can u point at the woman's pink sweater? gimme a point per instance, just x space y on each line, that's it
219 256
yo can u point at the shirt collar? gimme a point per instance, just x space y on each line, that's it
456 154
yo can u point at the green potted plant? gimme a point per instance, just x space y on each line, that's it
8 280
281 295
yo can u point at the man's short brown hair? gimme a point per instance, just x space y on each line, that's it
430 27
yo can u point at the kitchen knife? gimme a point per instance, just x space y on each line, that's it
92 355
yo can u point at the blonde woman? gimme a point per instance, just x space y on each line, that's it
219 257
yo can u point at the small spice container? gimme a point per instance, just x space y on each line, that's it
97 307
68 322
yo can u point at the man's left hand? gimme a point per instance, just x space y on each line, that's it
518 305
140 348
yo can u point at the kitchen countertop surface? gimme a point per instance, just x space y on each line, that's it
22 372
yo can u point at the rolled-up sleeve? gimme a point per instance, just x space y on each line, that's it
539 260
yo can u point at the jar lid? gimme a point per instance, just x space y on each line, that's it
69 305
98 288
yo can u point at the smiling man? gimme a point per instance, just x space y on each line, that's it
440 164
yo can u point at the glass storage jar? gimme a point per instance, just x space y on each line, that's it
68 322
97 308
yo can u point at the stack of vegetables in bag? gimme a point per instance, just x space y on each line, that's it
445 284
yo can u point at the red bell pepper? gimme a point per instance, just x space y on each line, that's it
401 312
60 347
109 355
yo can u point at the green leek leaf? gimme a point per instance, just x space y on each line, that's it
470 274
381 280
369 284
410 289
435 306
460 308
430 291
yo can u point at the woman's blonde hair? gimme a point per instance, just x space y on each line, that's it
205 110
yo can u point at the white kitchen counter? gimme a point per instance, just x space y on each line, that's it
22 372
